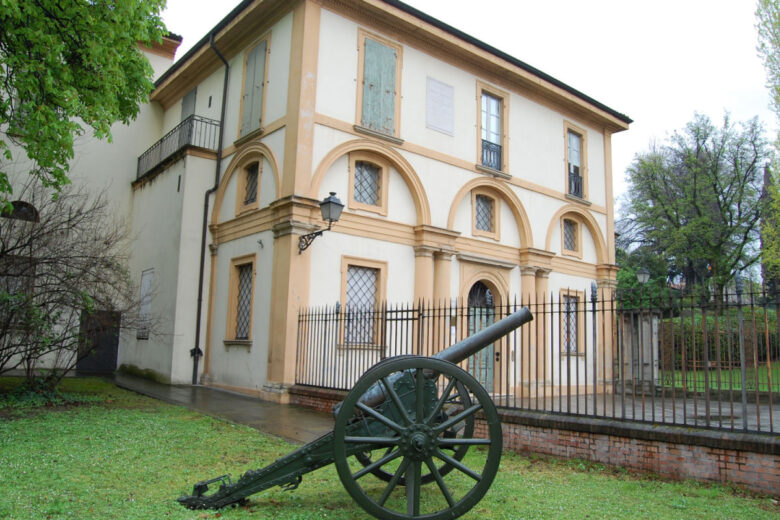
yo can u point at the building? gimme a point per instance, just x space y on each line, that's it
463 172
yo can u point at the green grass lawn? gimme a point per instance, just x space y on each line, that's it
730 379
120 455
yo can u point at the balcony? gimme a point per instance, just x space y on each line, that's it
491 155
575 184
195 131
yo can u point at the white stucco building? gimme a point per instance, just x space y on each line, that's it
457 165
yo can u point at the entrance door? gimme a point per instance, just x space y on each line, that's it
481 314
99 342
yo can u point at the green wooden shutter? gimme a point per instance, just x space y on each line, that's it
253 89
379 67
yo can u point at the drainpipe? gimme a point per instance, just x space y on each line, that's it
196 352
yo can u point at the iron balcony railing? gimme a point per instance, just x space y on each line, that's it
627 357
575 185
491 155
196 131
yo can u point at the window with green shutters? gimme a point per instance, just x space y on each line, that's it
254 81
380 89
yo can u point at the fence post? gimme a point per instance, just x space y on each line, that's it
594 295
738 280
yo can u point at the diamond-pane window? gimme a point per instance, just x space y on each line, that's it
244 301
367 183
252 174
570 323
483 219
569 235
362 287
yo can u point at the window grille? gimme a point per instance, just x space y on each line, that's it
244 303
569 235
484 213
252 174
361 299
367 186
570 324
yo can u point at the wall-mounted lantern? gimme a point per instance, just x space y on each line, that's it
331 208
643 275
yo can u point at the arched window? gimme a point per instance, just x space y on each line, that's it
22 210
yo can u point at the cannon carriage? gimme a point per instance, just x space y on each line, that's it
409 423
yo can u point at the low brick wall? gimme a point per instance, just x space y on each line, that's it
748 460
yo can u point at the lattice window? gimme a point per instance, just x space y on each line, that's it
570 235
570 324
362 288
367 183
252 175
483 220
244 301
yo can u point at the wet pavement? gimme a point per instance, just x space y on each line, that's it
291 422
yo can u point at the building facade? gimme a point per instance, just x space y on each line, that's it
463 172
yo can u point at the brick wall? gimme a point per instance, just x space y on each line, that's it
748 460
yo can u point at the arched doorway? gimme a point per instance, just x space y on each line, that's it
481 309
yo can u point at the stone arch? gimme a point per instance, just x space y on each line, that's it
396 160
588 221
498 286
254 151
503 192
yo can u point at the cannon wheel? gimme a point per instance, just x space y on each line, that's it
417 441
458 452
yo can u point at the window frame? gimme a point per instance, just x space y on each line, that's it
384 176
241 182
495 232
381 267
569 127
232 307
362 35
242 136
578 235
581 315
484 88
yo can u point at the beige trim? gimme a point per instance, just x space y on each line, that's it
577 251
423 274
381 293
422 151
235 264
210 312
265 37
495 224
242 180
384 175
483 87
581 321
362 35
588 221
496 278
609 197
583 134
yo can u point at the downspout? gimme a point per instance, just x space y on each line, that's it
196 352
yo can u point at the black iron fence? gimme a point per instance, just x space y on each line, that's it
663 361
194 131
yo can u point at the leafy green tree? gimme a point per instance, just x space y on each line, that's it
694 201
64 65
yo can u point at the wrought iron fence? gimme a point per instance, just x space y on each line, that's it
195 131
491 155
662 361
575 184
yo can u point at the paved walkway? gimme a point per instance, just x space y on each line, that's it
293 423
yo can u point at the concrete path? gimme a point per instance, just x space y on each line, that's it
293 423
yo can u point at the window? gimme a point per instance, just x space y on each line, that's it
572 332
241 299
254 82
188 104
368 177
576 161
492 133
484 214
571 238
145 306
21 210
363 283
379 90
17 283
247 190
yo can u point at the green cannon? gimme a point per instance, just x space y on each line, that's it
409 421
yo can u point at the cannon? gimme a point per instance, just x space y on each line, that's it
408 422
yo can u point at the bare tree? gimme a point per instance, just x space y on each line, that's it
63 261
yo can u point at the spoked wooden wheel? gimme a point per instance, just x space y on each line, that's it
420 433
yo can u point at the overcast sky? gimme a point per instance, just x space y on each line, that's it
657 62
